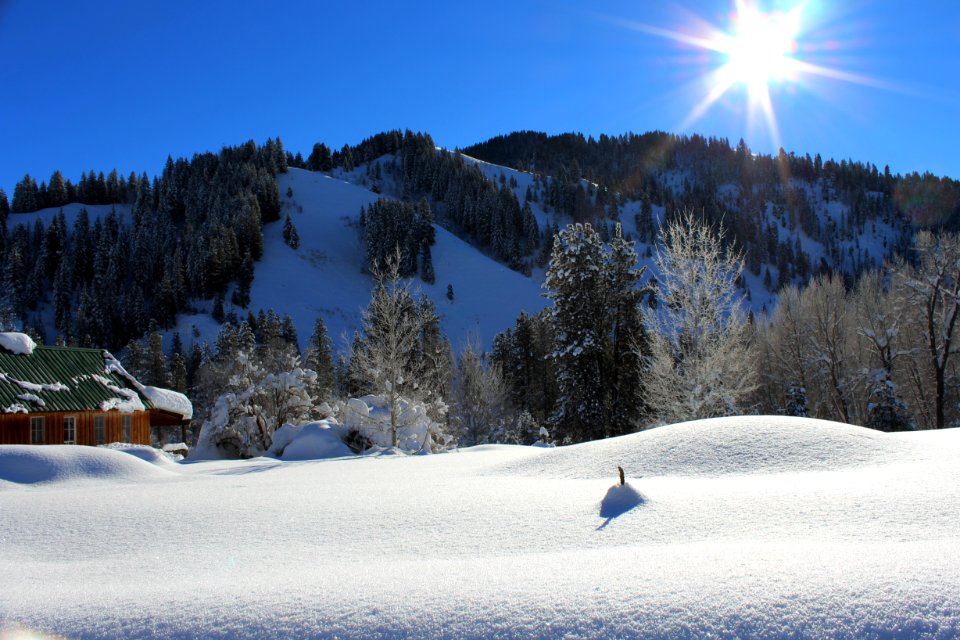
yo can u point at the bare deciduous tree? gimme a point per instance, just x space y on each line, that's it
932 288
701 364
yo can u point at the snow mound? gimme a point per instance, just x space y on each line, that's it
18 343
718 447
620 498
311 441
28 464
144 452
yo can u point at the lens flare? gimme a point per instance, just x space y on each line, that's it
757 51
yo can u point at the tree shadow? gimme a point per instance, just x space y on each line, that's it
620 499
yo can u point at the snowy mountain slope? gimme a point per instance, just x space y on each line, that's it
471 544
326 277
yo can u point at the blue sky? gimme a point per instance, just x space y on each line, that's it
98 85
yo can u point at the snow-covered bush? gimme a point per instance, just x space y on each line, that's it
416 431
310 441
242 424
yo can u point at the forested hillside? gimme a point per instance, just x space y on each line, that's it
122 262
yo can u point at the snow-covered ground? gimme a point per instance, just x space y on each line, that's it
737 527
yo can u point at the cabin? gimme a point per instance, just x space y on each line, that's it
69 395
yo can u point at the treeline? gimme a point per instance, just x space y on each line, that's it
93 188
880 354
614 352
628 163
695 173
189 233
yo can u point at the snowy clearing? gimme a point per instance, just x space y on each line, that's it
735 527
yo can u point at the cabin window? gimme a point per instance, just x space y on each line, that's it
70 430
36 430
127 428
99 429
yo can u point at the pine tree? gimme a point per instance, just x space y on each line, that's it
158 372
391 330
290 235
62 297
319 357
885 411
426 266
288 332
575 286
57 190
217 313
598 332
135 360
26 196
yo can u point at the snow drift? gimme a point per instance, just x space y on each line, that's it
27 464
744 528
721 446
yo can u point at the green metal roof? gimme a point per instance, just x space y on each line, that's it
69 379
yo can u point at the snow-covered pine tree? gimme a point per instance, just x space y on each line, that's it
885 411
575 286
481 400
391 330
598 334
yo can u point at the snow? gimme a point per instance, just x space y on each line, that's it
32 397
747 528
63 466
169 400
17 343
33 386
144 452
312 441
127 401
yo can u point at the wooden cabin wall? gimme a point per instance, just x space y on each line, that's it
15 427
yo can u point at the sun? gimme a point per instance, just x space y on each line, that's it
760 49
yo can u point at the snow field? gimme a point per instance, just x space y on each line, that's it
506 541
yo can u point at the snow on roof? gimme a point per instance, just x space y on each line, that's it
18 343
34 378
127 402
171 401
112 365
